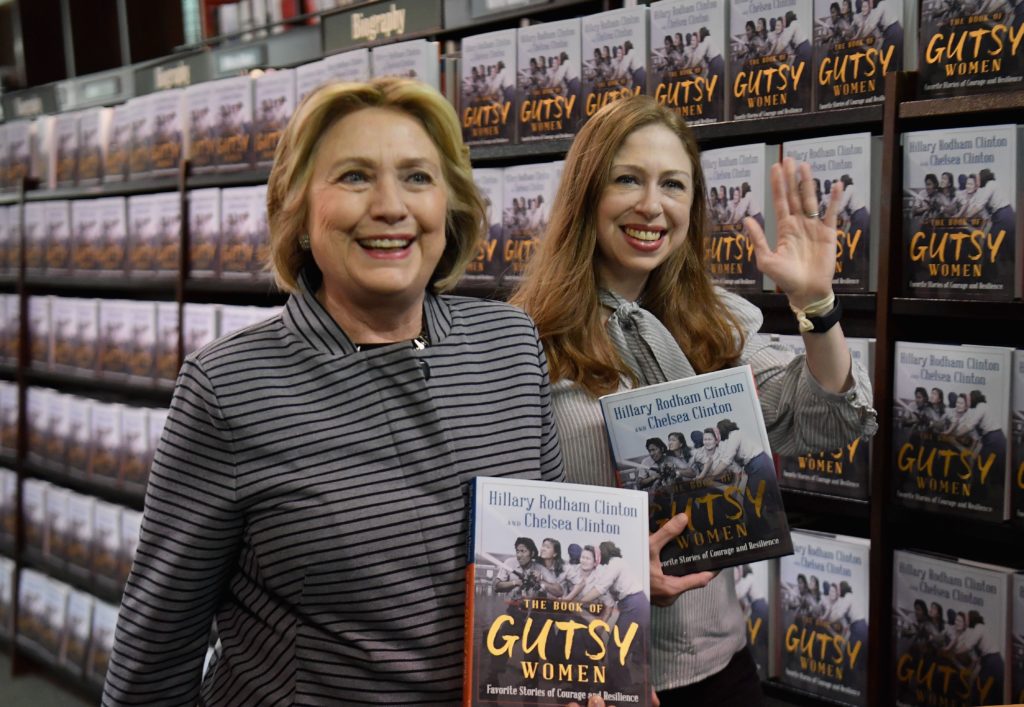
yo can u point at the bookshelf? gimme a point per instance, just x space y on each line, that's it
886 315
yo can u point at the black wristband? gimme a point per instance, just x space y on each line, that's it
819 325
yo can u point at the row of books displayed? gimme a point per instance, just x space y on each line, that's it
958 630
140 235
135 340
228 124
60 624
90 539
958 430
106 443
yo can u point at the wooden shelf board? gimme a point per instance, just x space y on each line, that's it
963 105
141 186
136 286
947 308
157 392
104 489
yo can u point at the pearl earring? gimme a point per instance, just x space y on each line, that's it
304 241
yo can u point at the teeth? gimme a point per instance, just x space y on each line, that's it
643 235
384 242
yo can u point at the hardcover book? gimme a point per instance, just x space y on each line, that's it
19 152
112 331
134 448
166 139
140 343
39 331
201 114
687 64
105 450
35 420
950 631
855 46
55 533
131 522
416 59
42 608
33 513
65 130
755 584
43 145
117 153
6 597
261 231
308 78
8 507
548 80
141 160
970 47
79 429
843 472
112 241
1017 643
167 327
55 430
614 56
199 322
698 445
8 235
737 182
76 632
347 66
140 251
561 614
273 105
488 95
204 232
106 539
823 635
80 522
960 219
9 416
486 268
62 332
166 208
1017 440
855 161
85 236
93 125
950 418
771 58
101 643
529 191
34 236
233 113
237 231
58 237
87 324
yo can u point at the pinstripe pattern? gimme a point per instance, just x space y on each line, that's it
313 500
696 636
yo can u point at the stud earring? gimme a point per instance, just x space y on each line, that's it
304 241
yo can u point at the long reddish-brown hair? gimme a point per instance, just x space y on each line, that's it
560 289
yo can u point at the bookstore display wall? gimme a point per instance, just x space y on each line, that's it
93 329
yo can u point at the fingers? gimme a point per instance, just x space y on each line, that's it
671 588
672 529
789 166
832 212
807 196
778 179
762 250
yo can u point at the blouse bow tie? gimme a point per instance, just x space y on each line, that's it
644 343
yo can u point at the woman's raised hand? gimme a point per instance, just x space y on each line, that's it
803 262
665 589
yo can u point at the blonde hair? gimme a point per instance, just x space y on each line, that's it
560 289
293 170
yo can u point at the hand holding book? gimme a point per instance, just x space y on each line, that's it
665 589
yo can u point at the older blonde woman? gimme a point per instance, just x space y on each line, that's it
308 491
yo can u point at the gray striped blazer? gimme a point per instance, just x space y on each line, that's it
312 499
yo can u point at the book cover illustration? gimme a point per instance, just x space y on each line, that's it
204 232
66 148
770 58
950 416
737 184
79 429
854 161
58 237
855 46
614 56
416 59
8 416
105 449
62 332
106 539
166 211
118 150
237 228
141 342
141 158
486 268
167 327
101 644
950 631
34 236
87 323
548 80
273 105
687 64
529 191
233 113
166 141
92 134
970 46
959 216
557 594
42 608
1017 430
80 522
39 331
8 506
842 472
1017 641
140 252
55 429
35 420
19 152
488 94
112 239
76 632
308 78
85 235
55 535
201 114
754 583
698 445
823 633
131 524
261 231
